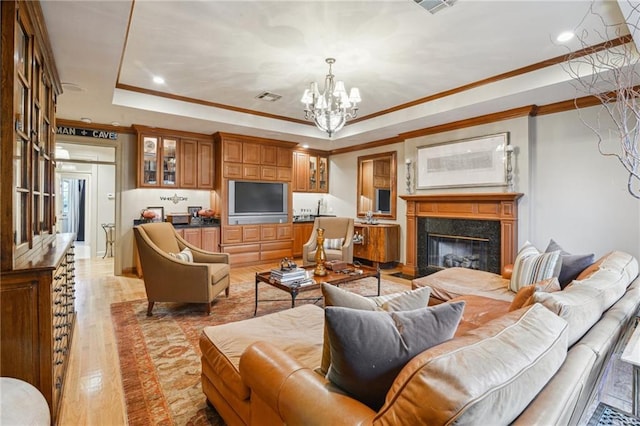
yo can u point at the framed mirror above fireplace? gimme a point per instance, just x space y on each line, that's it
377 185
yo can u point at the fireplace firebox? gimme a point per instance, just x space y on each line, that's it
449 251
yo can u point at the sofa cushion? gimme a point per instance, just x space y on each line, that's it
486 377
524 297
185 255
335 296
572 264
296 331
455 282
479 310
532 266
368 349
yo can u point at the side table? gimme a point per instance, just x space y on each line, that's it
631 355
109 229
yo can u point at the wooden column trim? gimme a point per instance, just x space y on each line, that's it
500 206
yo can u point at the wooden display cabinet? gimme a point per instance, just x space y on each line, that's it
379 243
311 172
301 234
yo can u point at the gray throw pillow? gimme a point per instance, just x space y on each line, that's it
334 296
572 264
369 348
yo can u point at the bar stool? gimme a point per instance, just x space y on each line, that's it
109 233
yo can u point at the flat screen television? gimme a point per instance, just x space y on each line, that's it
383 200
258 202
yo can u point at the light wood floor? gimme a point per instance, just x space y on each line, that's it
93 389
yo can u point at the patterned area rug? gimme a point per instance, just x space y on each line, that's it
160 357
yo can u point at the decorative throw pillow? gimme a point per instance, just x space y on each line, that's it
185 255
333 243
335 296
572 264
524 297
368 349
532 266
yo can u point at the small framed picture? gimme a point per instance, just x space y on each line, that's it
193 210
159 211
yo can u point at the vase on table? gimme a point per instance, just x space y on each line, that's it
321 256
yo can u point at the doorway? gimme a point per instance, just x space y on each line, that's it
85 182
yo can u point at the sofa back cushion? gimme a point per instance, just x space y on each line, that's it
488 376
532 266
582 302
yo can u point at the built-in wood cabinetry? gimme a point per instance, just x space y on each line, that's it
37 319
377 243
301 234
173 159
311 172
252 159
206 238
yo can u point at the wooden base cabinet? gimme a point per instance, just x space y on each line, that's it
301 233
379 243
36 321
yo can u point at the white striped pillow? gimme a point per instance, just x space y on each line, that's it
333 243
532 266
185 255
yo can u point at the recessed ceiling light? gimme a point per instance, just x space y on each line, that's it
305 146
158 80
115 123
72 87
86 120
565 36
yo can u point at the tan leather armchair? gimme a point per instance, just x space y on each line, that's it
334 227
168 279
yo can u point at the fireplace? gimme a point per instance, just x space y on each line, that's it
477 230
466 243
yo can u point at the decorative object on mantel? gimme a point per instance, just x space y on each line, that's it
609 72
481 161
321 256
332 108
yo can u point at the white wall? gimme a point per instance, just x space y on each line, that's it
579 197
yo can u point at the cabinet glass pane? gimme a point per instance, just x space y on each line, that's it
150 146
323 174
169 147
20 217
21 118
22 51
20 158
313 173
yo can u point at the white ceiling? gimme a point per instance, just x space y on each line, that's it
227 52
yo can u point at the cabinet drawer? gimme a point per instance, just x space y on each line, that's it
283 174
276 250
285 232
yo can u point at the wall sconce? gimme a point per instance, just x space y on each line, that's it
509 149
409 186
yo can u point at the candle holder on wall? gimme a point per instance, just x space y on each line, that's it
409 180
509 149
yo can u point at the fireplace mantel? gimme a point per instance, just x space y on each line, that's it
500 206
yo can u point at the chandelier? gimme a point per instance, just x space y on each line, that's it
331 108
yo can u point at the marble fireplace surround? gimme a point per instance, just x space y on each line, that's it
499 206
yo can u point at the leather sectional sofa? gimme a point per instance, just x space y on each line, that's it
539 364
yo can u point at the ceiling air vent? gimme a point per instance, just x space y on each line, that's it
434 6
268 96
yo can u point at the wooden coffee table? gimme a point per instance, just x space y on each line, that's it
333 277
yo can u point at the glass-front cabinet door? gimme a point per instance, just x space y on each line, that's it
313 173
169 148
150 157
323 174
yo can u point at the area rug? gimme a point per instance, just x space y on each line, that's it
160 356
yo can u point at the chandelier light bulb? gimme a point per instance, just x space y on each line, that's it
331 108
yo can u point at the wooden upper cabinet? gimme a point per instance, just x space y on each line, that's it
310 172
188 163
206 164
251 153
174 159
232 151
284 157
268 155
